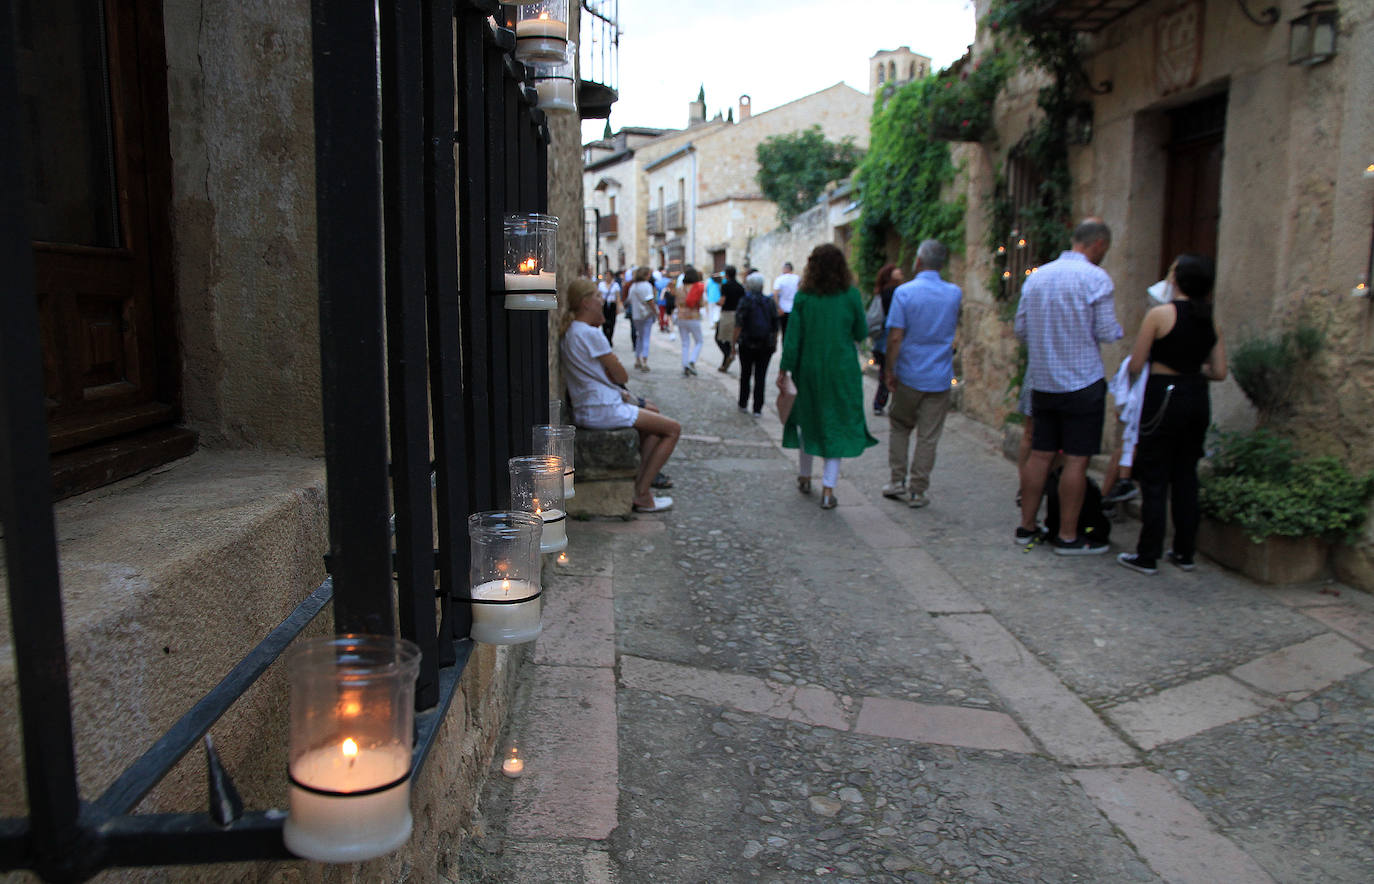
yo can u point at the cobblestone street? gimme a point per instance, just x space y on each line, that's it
748 687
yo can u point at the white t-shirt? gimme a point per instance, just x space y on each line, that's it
642 300
610 292
588 383
786 288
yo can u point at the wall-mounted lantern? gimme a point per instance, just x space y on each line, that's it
541 30
536 486
1312 35
556 82
530 280
352 725
504 581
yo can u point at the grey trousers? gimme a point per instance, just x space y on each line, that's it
925 413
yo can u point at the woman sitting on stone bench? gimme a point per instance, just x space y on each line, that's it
600 401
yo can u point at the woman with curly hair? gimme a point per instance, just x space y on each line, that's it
820 357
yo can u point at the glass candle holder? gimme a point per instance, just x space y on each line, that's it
541 30
556 82
536 486
558 411
352 723
531 282
504 577
558 440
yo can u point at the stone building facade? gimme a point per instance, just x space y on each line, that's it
694 190
1209 139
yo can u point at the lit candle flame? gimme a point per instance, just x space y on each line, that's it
505 586
562 558
1021 243
529 265
1001 250
543 16
350 750
1006 274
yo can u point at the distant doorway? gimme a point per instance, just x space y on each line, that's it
1192 207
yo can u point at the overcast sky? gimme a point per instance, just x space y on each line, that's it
772 50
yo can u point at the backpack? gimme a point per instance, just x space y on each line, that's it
757 321
1091 522
876 317
693 299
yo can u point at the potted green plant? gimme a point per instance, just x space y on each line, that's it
1271 513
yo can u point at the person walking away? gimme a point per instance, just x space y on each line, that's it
660 288
785 292
755 339
596 388
920 344
730 294
820 355
641 306
889 277
713 285
689 319
1185 351
609 290
1066 312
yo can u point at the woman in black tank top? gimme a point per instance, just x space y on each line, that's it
1184 351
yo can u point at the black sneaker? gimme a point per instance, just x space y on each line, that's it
1123 490
1109 511
1179 561
1079 546
661 481
1136 564
1026 538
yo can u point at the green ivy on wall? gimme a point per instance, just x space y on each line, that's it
901 179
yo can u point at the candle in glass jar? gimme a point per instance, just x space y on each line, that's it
329 822
541 27
556 93
530 278
568 490
505 624
555 536
513 767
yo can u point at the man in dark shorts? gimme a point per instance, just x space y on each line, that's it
1066 312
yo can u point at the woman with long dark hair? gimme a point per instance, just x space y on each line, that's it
820 356
1185 351
889 277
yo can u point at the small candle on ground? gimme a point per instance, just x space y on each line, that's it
513 766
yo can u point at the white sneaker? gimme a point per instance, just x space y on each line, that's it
895 490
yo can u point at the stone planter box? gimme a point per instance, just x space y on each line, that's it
1274 560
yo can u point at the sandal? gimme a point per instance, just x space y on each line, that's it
828 501
804 484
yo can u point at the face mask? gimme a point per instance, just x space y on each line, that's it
1161 292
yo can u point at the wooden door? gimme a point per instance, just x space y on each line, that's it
93 92
1192 208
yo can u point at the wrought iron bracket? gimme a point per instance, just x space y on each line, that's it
1267 17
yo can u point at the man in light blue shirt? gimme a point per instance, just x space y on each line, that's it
920 369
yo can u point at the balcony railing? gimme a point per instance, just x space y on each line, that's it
655 222
600 58
675 218
609 225
1083 15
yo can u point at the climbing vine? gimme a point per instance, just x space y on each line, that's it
901 179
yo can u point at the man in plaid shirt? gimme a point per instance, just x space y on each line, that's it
1065 313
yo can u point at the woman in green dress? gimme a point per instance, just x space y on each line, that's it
819 357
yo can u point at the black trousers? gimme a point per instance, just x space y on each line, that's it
753 366
1173 428
608 327
880 397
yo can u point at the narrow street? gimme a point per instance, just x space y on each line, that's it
750 688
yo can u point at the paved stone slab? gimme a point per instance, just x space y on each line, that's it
1303 597
586 555
1186 710
946 725
569 743
1304 668
691 437
809 705
564 863
579 624
929 584
1062 723
873 525
1354 623
644 523
1173 837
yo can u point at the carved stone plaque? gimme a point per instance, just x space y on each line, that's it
1178 47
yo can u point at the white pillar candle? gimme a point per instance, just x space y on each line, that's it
344 827
505 624
556 93
555 536
524 282
541 27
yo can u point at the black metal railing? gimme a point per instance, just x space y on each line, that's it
410 346
674 218
655 222
599 58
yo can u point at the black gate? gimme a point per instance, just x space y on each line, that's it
415 343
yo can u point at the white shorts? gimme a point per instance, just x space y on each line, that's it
615 416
